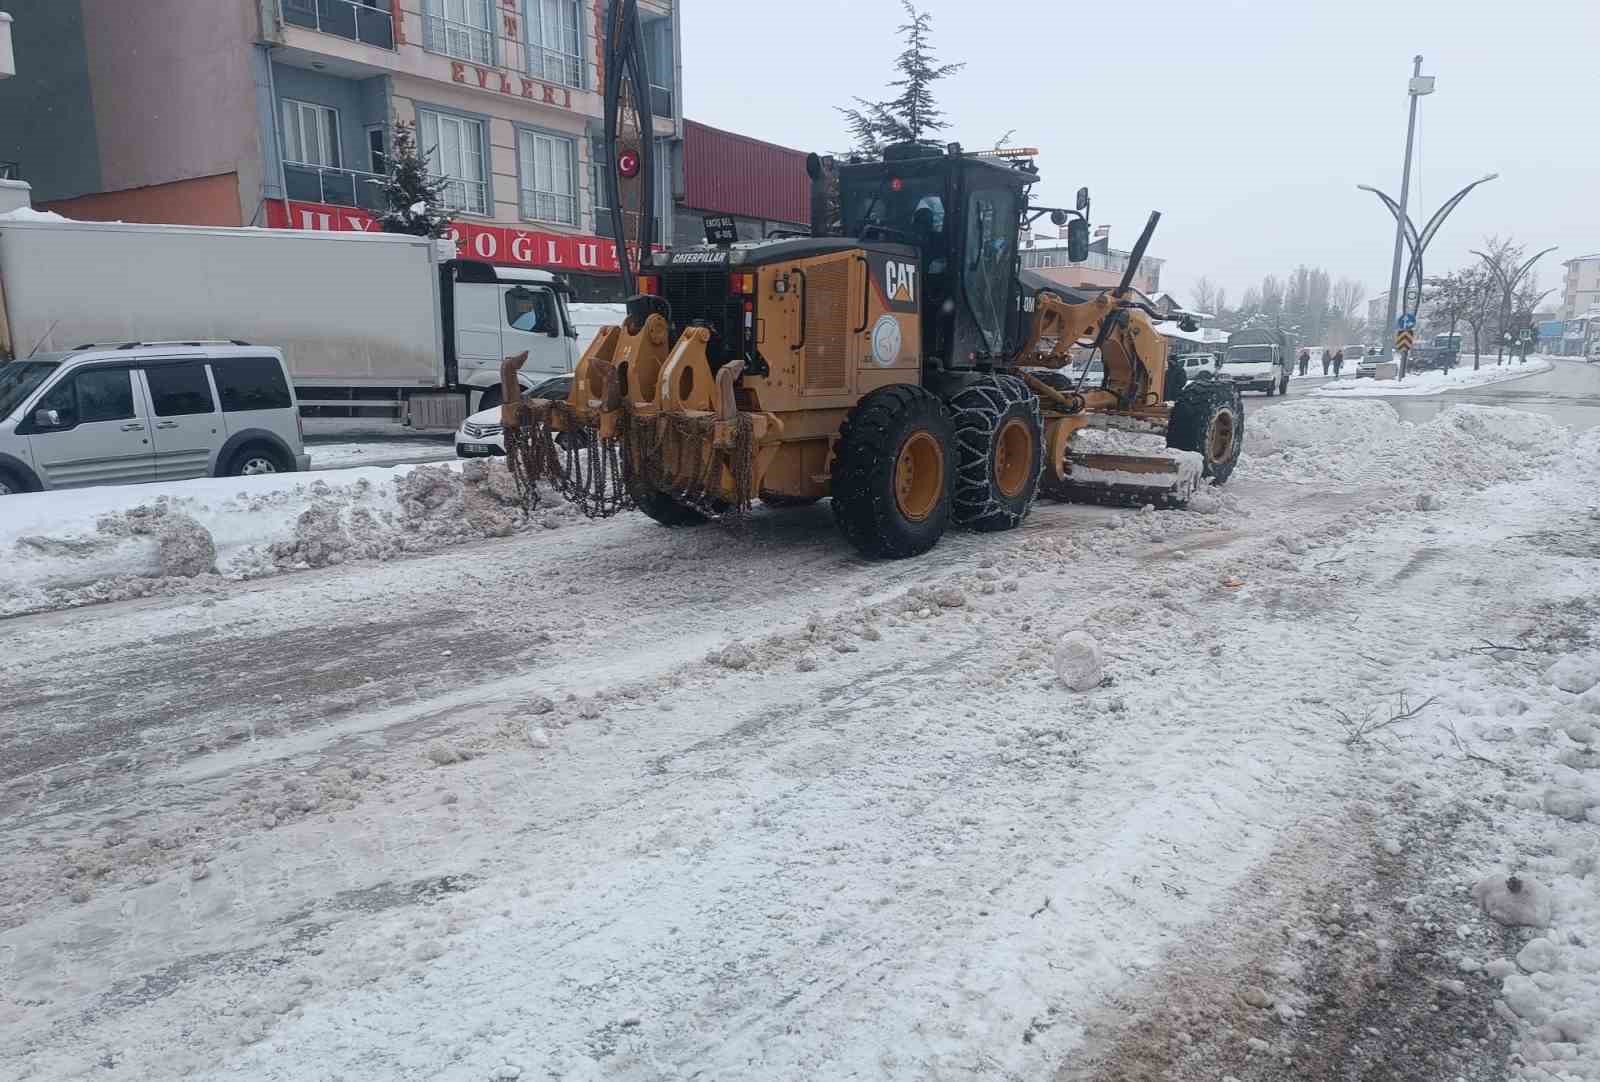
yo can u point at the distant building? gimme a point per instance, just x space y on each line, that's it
1104 266
762 186
1377 311
1581 286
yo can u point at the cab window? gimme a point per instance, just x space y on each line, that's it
530 310
986 262
96 394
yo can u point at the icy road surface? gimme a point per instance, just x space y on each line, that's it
608 801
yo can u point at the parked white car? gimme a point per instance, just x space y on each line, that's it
146 411
481 435
1196 363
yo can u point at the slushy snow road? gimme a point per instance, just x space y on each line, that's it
598 800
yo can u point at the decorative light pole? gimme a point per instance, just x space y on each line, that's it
1508 283
1420 84
1418 243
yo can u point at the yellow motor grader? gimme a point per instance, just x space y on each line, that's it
898 361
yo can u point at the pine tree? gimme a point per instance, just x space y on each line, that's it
912 115
415 202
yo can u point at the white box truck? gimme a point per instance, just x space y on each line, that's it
375 327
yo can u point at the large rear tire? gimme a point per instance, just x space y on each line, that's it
1208 418
893 470
999 444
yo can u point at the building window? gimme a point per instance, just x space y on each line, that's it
310 134
454 149
548 168
460 28
377 156
555 52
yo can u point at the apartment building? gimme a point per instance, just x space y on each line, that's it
1103 267
279 113
1580 286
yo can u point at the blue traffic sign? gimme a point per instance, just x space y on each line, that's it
1407 321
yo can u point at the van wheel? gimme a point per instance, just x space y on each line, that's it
257 460
10 486
893 471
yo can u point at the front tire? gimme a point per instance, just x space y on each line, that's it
257 461
1209 420
999 444
892 473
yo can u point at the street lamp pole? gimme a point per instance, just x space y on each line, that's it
1416 89
1508 284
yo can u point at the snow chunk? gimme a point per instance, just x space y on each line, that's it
1514 900
1525 998
1575 673
538 737
1539 956
733 656
1078 661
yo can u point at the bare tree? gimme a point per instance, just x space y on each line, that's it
1204 295
1479 293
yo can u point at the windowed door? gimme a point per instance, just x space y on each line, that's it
100 432
986 266
555 53
188 428
454 147
547 165
311 134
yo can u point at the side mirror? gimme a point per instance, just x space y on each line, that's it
1077 240
1083 200
47 418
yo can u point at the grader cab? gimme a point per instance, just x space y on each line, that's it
906 368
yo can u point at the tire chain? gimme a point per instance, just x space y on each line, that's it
977 410
603 477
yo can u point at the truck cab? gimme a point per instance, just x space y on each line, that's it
497 312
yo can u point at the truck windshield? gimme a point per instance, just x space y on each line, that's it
18 380
1249 354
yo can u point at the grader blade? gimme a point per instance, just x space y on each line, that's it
1169 478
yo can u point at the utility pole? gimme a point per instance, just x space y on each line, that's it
1418 86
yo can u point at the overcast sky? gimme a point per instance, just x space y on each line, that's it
1247 123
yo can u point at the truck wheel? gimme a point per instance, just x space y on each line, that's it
1209 419
999 449
668 511
258 459
892 472
1272 389
10 485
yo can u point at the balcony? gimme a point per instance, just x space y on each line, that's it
348 19
340 187
460 40
465 196
549 207
661 100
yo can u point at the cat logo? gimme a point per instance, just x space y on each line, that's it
901 282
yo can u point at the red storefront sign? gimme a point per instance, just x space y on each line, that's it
507 245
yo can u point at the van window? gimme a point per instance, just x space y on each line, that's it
178 390
250 383
530 310
96 394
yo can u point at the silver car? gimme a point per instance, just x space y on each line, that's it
146 411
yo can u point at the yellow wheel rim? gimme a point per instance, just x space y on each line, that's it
919 476
1013 454
1220 439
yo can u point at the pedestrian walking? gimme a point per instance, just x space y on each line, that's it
1327 359
1305 360
1338 362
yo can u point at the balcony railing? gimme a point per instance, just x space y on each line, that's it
348 19
464 42
467 196
340 187
550 207
551 66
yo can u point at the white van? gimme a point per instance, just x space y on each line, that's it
146 411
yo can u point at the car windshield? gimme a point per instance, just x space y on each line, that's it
19 379
1249 354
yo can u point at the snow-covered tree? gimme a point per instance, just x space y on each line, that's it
415 202
912 115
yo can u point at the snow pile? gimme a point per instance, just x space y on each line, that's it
1436 382
1354 442
80 546
28 214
